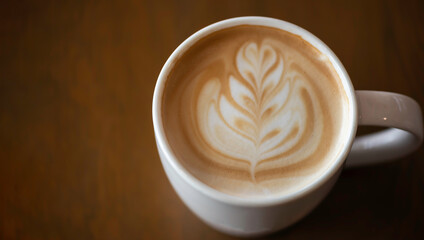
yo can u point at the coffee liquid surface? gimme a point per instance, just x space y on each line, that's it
254 111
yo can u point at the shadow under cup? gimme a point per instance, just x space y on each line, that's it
191 91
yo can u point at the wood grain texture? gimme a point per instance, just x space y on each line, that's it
77 153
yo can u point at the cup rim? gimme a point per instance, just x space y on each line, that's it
162 142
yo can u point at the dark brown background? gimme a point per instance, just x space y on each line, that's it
77 152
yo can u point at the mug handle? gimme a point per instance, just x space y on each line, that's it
400 113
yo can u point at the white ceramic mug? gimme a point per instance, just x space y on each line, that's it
252 217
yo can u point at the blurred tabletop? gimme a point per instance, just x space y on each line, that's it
77 152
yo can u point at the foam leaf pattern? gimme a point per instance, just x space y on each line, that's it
265 113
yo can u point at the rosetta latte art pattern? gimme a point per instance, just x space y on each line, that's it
265 113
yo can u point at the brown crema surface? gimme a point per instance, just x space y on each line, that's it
253 111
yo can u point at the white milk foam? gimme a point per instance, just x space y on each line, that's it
266 106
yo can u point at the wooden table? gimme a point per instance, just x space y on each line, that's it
77 153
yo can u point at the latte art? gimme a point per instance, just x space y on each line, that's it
264 115
253 111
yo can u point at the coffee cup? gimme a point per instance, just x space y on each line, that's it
255 118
